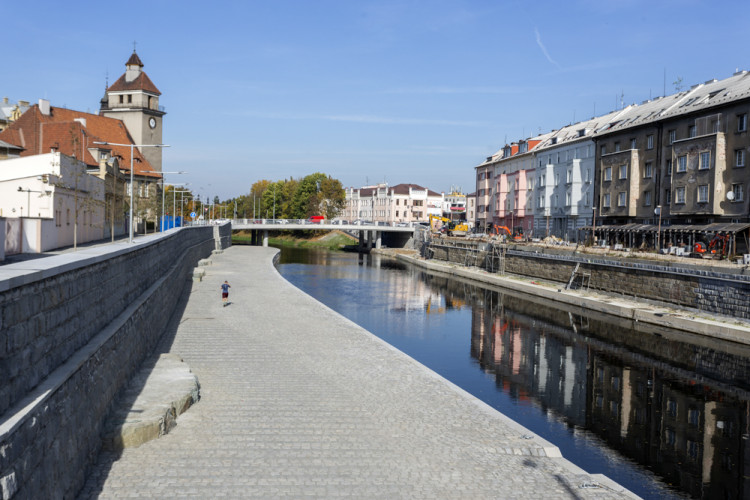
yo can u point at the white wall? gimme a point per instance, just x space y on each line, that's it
66 203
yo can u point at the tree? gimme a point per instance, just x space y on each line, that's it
331 197
271 201
308 188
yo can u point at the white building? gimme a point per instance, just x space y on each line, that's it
50 201
564 184
402 203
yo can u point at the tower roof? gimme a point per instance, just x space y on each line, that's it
134 59
141 82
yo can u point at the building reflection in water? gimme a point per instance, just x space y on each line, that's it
679 409
690 431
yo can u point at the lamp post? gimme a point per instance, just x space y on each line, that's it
593 227
657 210
131 146
162 194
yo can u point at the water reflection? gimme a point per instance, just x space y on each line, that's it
661 416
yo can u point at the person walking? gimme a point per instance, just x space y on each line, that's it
225 293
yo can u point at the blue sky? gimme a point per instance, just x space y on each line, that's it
366 91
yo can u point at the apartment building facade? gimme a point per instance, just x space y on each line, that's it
678 160
402 203
564 186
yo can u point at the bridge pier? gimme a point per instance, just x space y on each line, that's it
265 237
378 239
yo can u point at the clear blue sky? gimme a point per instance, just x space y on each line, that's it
402 91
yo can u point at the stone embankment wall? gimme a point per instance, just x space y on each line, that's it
71 336
724 291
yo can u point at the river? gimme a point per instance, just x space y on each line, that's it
663 417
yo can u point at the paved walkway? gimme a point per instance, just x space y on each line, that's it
297 401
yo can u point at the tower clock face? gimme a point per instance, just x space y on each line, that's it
152 122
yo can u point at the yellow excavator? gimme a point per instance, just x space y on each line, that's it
440 224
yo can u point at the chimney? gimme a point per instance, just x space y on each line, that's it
44 106
5 100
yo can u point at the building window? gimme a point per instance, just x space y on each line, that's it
739 158
650 141
648 170
623 172
694 417
130 98
738 192
568 199
682 163
621 196
742 122
705 160
605 200
679 196
603 150
669 167
541 202
672 136
587 203
667 197
633 144
121 99
608 174
703 194
68 216
647 199
557 179
570 176
691 131
617 147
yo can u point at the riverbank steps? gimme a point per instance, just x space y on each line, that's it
297 401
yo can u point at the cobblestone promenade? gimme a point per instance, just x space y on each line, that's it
297 401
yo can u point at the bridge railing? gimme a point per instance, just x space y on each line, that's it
335 222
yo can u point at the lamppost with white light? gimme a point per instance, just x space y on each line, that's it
131 146
162 194
658 231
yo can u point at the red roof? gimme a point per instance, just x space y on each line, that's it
141 82
63 130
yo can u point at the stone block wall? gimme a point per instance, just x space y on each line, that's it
70 340
714 290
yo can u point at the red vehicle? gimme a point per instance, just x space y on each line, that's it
316 219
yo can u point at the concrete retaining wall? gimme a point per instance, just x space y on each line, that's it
724 291
73 332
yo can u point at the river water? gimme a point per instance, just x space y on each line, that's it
664 415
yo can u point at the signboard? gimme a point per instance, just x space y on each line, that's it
192 214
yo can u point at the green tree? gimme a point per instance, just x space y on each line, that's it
331 198
272 201
304 196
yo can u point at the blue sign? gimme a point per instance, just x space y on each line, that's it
192 214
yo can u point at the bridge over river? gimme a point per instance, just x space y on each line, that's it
370 235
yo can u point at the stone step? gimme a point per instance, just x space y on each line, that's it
148 408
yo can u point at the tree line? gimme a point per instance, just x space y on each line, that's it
315 194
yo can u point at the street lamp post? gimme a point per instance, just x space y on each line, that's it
162 195
593 227
658 231
131 146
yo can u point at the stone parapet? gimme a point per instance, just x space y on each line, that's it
74 329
